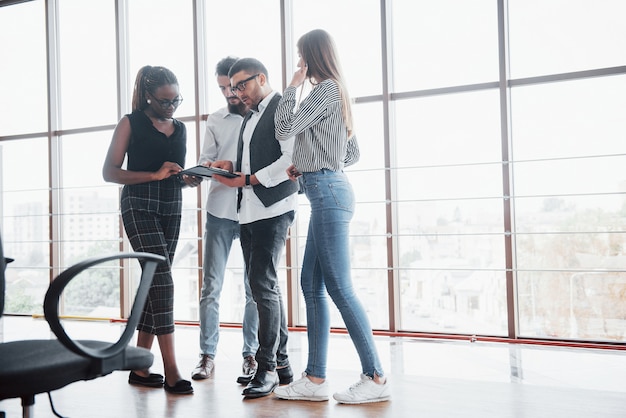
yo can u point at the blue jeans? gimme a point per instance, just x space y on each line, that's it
218 239
326 268
262 243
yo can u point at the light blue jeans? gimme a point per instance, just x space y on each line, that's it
218 239
326 268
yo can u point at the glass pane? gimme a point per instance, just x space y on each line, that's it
453 301
370 286
185 274
572 251
12 156
368 222
570 213
350 20
82 156
559 36
368 186
95 292
583 305
368 245
25 208
441 43
89 220
25 239
448 129
24 78
88 86
191 158
569 119
442 251
575 176
436 220
452 182
86 232
368 128
26 286
172 25
263 45
367 226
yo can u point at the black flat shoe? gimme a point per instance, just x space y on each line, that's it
262 384
154 380
285 375
182 387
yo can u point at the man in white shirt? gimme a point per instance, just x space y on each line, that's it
222 228
268 201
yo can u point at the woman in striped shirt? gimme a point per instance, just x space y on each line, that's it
324 145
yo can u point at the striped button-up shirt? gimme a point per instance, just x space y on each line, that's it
321 133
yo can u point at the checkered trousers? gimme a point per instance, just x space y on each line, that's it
151 214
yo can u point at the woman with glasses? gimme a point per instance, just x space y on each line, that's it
324 145
151 203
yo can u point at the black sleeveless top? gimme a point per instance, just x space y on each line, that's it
149 148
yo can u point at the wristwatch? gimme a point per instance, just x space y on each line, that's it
247 179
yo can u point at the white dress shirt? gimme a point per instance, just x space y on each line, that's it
220 143
252 209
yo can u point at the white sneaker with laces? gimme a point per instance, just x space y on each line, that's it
303 390
364 391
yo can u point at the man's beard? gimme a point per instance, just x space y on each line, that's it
239 108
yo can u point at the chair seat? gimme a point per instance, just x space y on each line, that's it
38 366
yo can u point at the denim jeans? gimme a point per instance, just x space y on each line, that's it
218 239
326 268
263 242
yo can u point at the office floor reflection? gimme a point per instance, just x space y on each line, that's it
430 378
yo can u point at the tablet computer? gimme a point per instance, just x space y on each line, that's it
203 171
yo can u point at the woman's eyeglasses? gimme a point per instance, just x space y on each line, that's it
241 86
165 104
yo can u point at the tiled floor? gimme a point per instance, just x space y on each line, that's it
430 378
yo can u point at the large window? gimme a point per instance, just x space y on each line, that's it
449 213
86 55
568 140
561 36
23 50
490 198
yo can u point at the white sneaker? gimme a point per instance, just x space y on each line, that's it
303 390
364 391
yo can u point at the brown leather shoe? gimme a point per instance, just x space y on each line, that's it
248 369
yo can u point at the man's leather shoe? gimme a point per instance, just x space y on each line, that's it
285 376
262 384
248 369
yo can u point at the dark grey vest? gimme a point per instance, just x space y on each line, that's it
264 150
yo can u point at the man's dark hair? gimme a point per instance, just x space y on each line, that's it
224 65
249 65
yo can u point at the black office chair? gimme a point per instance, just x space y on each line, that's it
30 367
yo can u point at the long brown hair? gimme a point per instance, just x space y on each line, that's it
149 79
318 51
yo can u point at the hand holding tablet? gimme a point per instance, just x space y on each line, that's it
204 171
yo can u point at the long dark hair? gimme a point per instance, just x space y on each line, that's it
149 79
318 51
